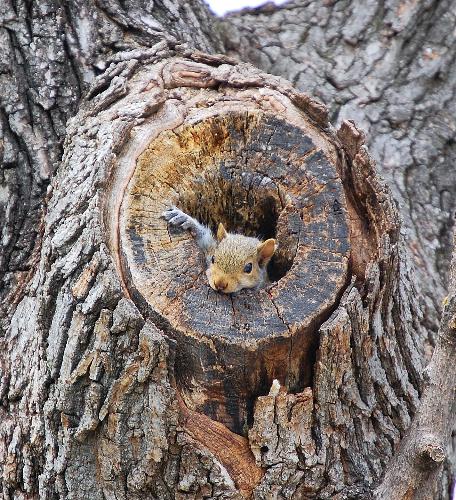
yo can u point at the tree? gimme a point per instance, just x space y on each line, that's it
104 392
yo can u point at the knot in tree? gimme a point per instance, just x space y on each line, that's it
255 162
226 143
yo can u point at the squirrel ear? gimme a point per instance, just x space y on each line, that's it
221 232
265 251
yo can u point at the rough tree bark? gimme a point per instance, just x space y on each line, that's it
412 471
390 67
109 389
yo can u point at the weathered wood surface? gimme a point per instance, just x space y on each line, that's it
258 174
390 68
89 406
108 390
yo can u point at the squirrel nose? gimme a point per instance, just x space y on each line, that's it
221 285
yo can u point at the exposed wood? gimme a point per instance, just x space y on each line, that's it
259 175
390 67
232 450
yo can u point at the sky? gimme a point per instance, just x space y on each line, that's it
221 7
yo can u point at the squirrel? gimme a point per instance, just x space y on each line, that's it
234 261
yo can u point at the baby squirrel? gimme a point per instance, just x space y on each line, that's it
234 261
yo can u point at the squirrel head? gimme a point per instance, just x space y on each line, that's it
238 261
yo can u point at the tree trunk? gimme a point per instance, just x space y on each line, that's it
123 374
390 67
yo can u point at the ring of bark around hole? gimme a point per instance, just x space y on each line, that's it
260 176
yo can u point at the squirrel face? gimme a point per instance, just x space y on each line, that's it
238 261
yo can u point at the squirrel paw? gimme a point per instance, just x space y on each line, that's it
178 218
202 234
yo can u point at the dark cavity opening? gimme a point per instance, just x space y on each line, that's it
245 202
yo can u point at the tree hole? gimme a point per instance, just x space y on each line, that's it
246 203
262 177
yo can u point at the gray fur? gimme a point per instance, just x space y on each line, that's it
202 234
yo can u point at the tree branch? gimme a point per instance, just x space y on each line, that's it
418 462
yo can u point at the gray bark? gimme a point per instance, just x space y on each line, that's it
390 67
413 470
90 407
51 51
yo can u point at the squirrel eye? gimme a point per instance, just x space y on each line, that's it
213 259
248 268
